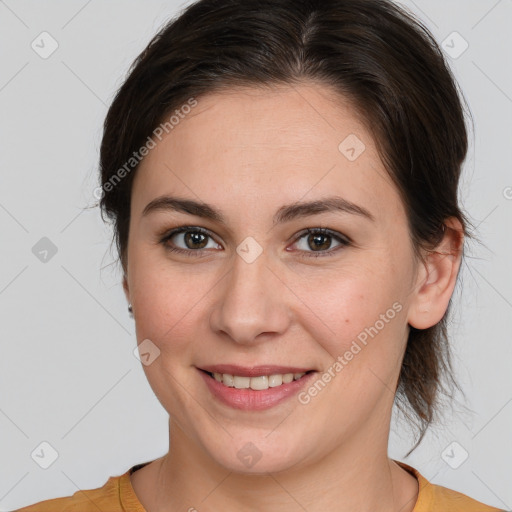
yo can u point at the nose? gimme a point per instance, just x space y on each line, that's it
252 302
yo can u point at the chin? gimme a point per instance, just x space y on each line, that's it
257 452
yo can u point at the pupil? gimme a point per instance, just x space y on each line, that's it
195 239
316 238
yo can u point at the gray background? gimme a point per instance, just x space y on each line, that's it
68 374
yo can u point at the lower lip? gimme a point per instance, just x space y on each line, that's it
253 400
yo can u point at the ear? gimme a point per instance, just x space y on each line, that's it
126 287
436 278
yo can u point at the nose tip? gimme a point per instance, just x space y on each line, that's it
251 302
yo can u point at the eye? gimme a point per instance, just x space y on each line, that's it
188 240
320 240
194 241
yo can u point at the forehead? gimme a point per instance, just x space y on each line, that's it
283 143
284 120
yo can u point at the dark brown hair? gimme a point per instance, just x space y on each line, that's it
375 54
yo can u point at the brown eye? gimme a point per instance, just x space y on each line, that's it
195 240
320 241
188 240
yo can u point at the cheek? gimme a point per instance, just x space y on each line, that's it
368 330
364 321
166 305
166 301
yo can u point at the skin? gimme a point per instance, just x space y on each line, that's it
248 152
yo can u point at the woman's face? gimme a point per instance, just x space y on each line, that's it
255 290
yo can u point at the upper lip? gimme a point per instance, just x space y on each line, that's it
253 371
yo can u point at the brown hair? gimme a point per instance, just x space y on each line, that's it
372 52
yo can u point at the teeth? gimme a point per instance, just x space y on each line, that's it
227 379
241 382
275 380
256 383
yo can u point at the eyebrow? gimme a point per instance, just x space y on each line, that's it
284 214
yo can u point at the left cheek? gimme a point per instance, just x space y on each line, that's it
364 316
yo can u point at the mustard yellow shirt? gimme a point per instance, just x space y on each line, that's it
117 495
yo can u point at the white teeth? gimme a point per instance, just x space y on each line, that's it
257 383
228 380
275 380
241 382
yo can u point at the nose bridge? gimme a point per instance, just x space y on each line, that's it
251 300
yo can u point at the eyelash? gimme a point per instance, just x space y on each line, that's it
344 241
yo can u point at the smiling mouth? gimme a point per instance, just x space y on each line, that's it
258 383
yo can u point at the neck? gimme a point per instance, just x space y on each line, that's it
356 477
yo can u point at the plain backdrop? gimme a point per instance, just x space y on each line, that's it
70 385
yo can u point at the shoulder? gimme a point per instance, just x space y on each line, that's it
432 497
111 497
456 501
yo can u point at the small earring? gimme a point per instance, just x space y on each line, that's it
130 309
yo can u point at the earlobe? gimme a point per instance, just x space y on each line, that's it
437 277
126 288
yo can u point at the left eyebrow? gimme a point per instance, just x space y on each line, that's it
284 214
328 204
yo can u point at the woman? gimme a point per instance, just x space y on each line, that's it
282 177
